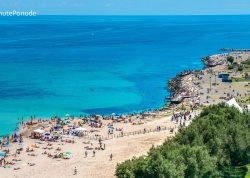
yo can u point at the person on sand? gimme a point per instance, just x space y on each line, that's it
111 157
86 154
93 153
75 171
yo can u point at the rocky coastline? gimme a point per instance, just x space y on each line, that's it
185 86
195 87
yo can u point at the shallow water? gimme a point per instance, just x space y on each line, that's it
53 65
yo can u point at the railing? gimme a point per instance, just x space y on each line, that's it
127 134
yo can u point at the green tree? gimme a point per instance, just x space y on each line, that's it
215 143
230 59
125 170
240 68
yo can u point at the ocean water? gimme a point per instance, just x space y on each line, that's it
54 65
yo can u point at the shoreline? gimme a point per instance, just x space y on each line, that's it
167 104
174 94
114 135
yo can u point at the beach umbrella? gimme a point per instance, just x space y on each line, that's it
95 121
111 127
81 129
2 154
67 115
64 120
98 115
80 121
68 153
47 134
40 131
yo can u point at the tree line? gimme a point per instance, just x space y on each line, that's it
216 142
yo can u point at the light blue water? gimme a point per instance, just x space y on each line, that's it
53 65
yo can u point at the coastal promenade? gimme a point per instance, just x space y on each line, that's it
106 141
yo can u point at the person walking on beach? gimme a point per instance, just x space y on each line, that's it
93 153
86 154
111 157
75 171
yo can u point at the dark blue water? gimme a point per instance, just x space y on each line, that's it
53 65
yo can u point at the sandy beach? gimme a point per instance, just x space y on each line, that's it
100 165
130 136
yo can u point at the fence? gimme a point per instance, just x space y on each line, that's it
127 134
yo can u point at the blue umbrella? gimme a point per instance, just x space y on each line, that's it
95 121
47 134
2 154
111 127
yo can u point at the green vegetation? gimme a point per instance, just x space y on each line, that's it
230 67
248 171
230 59
246 68
239 79
247 62
240 68
236 172
243 100
216 144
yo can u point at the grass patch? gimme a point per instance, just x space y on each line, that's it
244 100
234 79
247 62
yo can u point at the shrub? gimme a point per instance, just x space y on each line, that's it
240 68
246 61
230 59
216 141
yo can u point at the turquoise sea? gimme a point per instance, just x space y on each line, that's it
54 65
